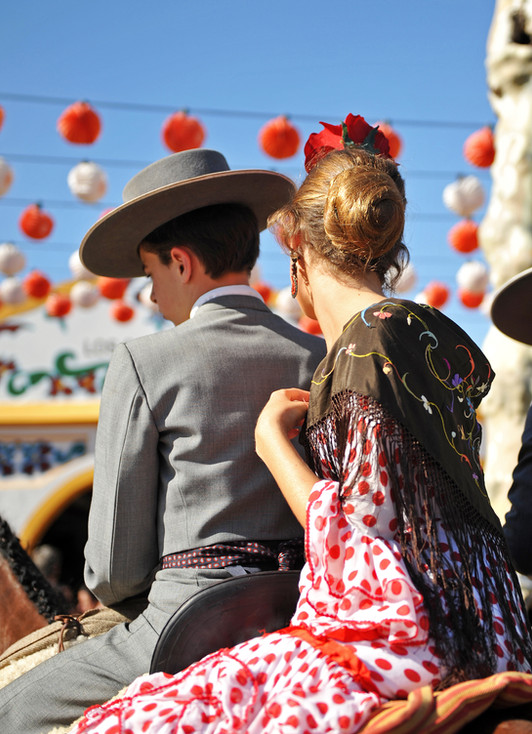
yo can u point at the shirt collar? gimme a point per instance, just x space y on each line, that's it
226 290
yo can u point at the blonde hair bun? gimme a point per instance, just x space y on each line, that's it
364 212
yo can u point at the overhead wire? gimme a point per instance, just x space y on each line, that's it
145 107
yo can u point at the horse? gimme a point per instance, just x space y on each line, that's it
28 601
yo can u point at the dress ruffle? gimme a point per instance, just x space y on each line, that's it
355 583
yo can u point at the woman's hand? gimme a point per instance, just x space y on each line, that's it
279 422
281 417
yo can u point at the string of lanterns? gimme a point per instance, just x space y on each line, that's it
279 138
464 197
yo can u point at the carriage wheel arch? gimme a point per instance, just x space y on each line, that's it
53 506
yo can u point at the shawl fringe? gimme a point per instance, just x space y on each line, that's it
463 634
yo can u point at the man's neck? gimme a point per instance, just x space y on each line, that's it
225 290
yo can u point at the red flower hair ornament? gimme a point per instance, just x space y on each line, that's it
354 131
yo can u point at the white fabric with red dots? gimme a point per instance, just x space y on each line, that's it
354 589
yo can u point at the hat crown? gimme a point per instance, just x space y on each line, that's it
174 168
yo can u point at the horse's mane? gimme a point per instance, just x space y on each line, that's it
48 600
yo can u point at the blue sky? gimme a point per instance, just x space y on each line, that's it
235 64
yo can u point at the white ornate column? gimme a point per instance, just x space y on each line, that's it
506 235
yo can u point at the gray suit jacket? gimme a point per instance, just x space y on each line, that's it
175 464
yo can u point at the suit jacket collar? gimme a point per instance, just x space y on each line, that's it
228 290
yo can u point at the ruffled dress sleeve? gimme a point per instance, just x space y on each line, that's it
356 584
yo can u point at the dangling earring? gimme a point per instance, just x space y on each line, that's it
294 257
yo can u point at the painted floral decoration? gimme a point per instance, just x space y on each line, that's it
353 131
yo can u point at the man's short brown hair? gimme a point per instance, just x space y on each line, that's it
225 238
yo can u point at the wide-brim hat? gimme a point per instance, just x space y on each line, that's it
172 186
510 307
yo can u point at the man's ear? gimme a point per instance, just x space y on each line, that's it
182 258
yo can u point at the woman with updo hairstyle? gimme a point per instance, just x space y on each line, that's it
407 581
407 564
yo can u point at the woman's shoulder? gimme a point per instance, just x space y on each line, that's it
388 311
401 323
395 337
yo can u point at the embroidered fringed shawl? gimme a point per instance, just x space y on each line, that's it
415 372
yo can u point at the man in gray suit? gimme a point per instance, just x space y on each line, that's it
180 499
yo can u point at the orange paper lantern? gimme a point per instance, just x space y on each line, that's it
6 176
182 132
79 123
311 326
120 311
394 139
36 285
469 299
479 148
2 116
463 237
264 290
279 138
58 305
436 294
35 222
112 288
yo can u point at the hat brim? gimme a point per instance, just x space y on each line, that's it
110 247
510 307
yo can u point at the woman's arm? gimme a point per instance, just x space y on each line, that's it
278 423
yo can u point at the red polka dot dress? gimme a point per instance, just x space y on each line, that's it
359 635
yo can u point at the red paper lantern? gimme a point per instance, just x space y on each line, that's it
182 132
35 222
463 237
58 305
279 138
436 294
470 299
311 326
36 285
394 139
264 290
2 116
479 148
112 288
120 311
79 123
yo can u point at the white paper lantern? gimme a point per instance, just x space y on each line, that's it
144 297
87 181
12 260
84 294
11 291
78 270
464 196
6 177
287 306
473 276
407 279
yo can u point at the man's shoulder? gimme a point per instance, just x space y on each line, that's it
213 323
148 343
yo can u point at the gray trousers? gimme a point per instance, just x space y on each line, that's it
57 691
